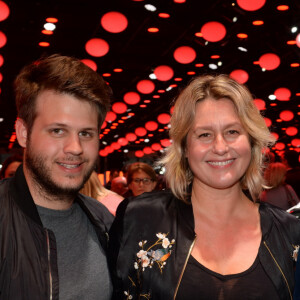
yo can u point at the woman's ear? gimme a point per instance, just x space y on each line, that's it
21 132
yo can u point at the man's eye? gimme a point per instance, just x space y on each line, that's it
85 134
57 131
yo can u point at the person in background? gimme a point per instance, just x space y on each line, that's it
53 240
141 178
112 174
93 188
280 194
10 165
205 239
291 160
119 185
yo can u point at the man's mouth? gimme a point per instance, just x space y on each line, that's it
70 166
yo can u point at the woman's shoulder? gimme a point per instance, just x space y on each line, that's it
271 215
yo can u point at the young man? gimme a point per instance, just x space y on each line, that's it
53 240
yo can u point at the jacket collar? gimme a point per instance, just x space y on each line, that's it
22 196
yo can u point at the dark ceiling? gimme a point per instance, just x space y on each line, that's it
138 52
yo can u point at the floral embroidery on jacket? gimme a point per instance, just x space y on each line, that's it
147 257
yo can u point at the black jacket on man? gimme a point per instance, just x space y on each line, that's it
144 268
28 256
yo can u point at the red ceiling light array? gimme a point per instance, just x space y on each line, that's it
210 32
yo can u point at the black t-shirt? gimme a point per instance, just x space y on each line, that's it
200 283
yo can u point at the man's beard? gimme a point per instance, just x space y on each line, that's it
41 175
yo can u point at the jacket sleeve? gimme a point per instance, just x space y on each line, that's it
297 281
115 240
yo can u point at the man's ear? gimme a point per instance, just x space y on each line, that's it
21 132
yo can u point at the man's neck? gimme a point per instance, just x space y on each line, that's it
41 198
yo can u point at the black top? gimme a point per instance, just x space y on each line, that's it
200 283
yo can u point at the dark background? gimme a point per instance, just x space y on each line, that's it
138 52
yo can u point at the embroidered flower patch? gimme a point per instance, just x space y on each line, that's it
157 253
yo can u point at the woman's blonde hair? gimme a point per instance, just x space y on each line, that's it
178 173
93 187
275 174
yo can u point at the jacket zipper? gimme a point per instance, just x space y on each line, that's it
49 264
184 267
287 284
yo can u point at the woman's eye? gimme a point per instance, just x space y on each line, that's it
233 131
204 135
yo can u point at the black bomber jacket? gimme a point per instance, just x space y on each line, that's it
28 258
152 236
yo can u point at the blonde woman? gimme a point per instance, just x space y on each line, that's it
93 188
209 238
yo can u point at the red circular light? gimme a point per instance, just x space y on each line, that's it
122 141
114 22
140 131
164 15
242 35
4 11
260 104
131 137
1 60
153 29
240 76
286 115
269 61
52 20
44 44
90 64
104 124
184 54
103 153
258 22
283 94
147 150
151 125
3 39
164 118
298 40
213 31
47 32
282 7
132 98
145 86
251 5
110 116
296 142
96 47
275 135
163 73
291 131
280 146
165 142
156 147
139 153
115 145
119 107
268 122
